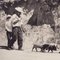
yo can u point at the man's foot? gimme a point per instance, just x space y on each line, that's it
10 48
20 49
59 52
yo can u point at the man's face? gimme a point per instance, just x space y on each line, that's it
18 14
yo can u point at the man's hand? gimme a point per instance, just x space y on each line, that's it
23 29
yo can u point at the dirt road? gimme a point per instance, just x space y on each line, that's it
27 55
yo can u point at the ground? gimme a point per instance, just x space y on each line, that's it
27 55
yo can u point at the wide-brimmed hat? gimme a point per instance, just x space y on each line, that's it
19 9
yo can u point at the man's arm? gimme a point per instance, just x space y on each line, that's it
27 16
23 29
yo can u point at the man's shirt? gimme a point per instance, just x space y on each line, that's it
8 25
16 21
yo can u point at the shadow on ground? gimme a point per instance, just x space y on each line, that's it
3 47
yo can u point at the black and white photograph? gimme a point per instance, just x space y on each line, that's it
29 29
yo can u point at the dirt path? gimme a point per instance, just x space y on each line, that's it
27 55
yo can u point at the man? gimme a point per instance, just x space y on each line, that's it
8 28
17 20
16 29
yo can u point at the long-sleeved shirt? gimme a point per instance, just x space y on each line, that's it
8 25
22 20
15 20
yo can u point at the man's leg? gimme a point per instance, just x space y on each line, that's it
9 37
20 40
13 36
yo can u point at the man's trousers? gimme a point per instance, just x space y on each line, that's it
17 35
9 38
